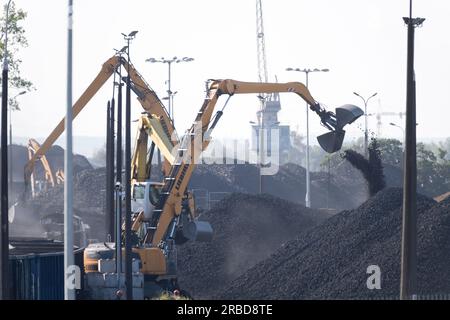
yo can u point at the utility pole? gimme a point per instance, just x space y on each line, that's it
128 257
118 185
111 228
69 292
119 153
408 276
4 263
10 154
109 174
366 133
308 179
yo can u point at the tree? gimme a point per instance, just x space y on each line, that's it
391 151
16 41
433 173
298 148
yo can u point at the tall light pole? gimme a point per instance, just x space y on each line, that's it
69 292
10 141
308 179
4 228
403 142
408 266
169 62
403 132
366 134
128 253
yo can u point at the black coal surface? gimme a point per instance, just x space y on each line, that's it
247 229
331 260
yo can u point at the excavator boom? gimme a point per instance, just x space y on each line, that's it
189 151
146 96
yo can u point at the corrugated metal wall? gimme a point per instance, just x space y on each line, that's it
40 276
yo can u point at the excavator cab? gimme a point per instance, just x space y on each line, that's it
145 196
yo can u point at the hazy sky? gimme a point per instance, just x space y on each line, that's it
362 42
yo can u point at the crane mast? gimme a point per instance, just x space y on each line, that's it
261 45
267 115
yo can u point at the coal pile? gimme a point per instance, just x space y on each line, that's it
247 229
288 183
215 178
330 261
55 157
89 201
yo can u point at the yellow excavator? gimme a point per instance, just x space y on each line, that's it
170 219
49 178
59 176
145 95
169 206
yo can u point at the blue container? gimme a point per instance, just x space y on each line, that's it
40 276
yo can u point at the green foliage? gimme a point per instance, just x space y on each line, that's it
16 41
433 162
433 172
391 151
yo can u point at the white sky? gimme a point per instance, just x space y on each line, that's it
362 42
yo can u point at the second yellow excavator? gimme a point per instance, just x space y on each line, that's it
49 178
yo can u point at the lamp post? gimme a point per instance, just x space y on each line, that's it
10 141
403 132
169 62
308 179
69 259
4 228
403 142
366 135
408 265
128 253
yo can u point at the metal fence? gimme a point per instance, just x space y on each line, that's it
205 200
215 197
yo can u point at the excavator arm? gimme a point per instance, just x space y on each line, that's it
33 147
146 96
149 127
189 149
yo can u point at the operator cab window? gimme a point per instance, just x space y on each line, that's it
138 192
154 195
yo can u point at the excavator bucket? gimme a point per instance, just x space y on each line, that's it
331 141
346 114
200 231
